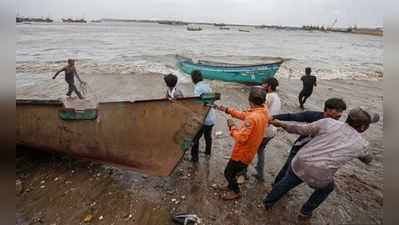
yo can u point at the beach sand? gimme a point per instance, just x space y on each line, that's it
57 189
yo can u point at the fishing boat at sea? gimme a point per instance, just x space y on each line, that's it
194 28
242 30
69 20
231 72
148 136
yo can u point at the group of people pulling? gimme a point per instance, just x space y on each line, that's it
325 143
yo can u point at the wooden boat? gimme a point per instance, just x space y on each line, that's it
241 73
149 136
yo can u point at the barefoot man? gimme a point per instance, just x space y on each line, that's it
70 73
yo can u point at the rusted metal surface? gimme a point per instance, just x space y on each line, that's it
148 136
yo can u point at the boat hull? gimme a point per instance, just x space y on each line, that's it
248 74
147 136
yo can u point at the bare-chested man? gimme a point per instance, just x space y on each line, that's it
70 73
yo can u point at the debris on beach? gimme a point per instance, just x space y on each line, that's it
88 218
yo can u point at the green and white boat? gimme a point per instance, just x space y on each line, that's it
240 73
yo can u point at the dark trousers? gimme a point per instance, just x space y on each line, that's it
207 132
290 181
260 164
303 95
72 88
287 164
233 168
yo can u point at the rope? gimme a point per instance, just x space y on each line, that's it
85 89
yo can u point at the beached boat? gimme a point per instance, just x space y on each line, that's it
149 136
241 73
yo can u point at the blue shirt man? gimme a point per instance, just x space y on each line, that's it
200 87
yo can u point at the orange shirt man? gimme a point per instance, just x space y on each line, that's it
248 136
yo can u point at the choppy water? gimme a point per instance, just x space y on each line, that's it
126 48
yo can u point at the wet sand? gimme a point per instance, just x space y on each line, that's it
56 189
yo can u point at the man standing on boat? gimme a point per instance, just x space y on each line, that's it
308 82
70 73
248 137
200 87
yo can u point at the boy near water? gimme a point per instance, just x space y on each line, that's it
172 92
248 137
70 73
308 81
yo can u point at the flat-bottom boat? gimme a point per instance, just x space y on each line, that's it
149 136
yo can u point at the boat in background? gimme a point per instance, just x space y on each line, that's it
148 136
96 21
242 30
194 28
240 73
69 20
219 24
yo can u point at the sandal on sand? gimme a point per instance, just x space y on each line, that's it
231 195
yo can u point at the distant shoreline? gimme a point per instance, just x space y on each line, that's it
375 31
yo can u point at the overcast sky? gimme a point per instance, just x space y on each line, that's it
280 12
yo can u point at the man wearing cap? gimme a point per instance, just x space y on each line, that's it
334 143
